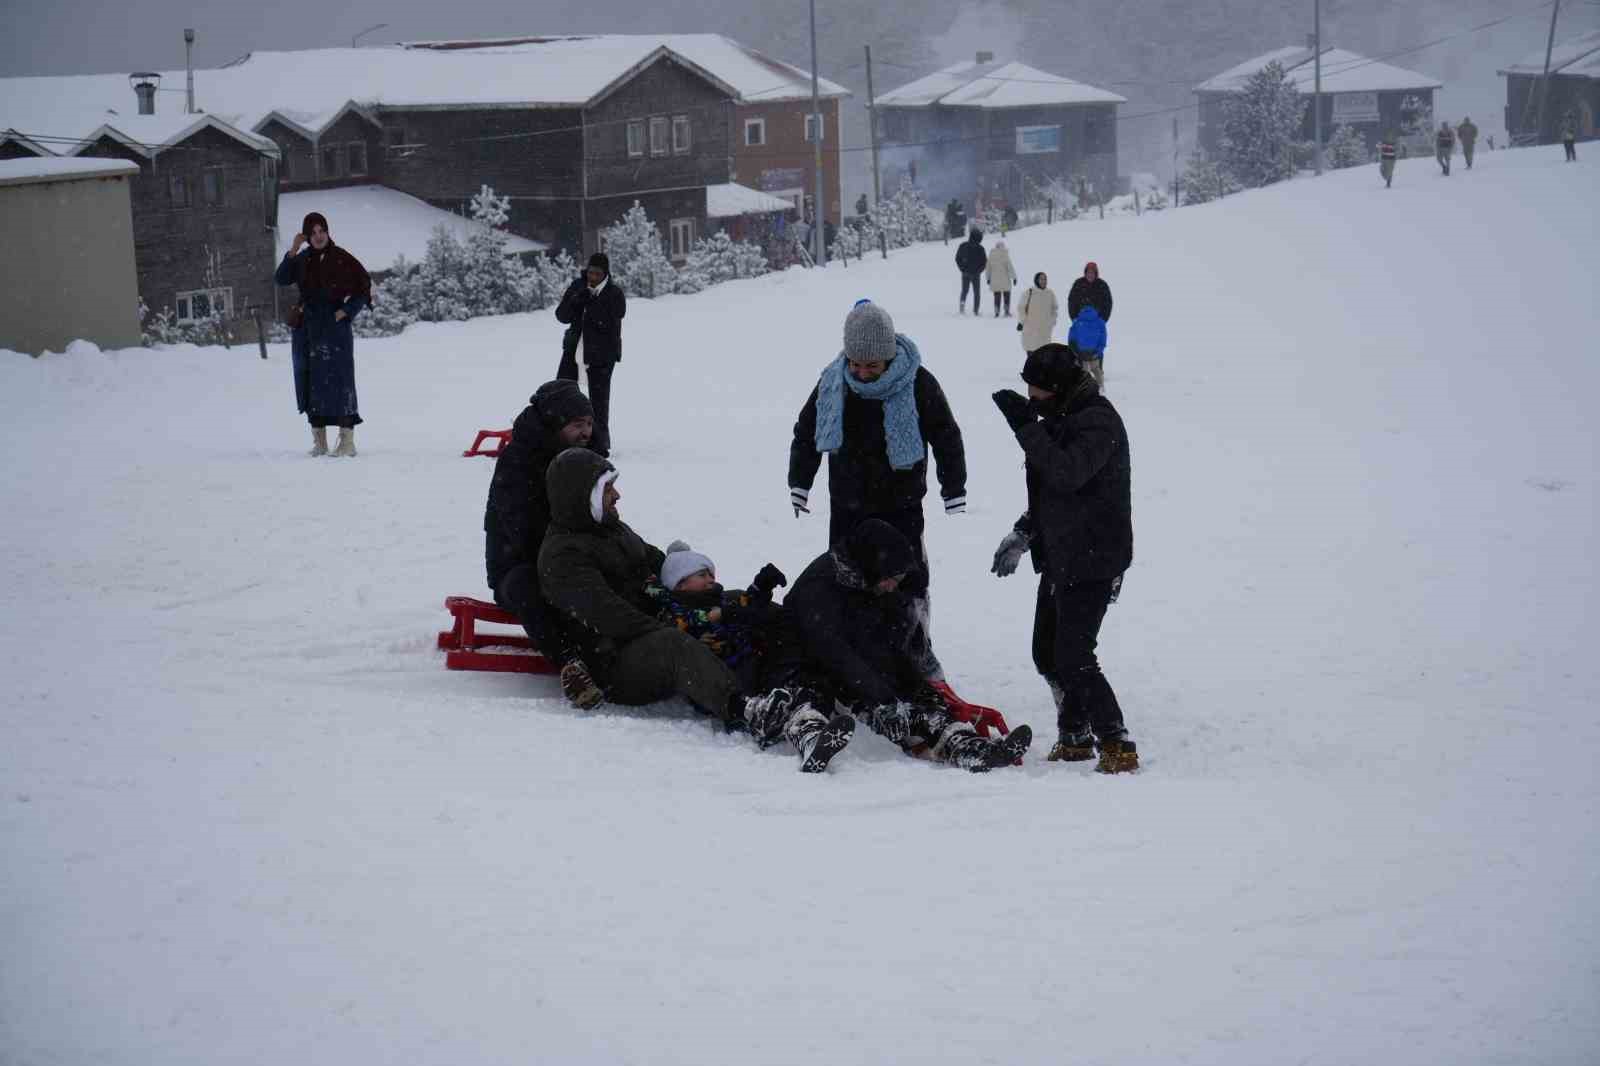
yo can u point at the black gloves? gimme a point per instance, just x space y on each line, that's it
767 579
1015 407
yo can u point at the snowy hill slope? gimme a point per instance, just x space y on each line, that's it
249 817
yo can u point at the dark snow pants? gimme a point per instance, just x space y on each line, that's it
1066 630
669 662
1003 294
975 282
518 592
1572 150
599 393
1467 148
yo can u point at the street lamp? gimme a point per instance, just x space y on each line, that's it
369 29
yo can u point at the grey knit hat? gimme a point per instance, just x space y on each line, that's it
680 562
868 334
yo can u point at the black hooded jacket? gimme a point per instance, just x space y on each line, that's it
970 257
594 572
1096 294
596 318
518 511
851 634
1080 510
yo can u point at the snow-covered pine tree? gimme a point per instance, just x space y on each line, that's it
1205 180
1347 148
1259 127
719 258
394 302
904 218
639 262
1156 199
494 283
555 274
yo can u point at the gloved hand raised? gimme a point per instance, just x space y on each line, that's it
1009 553
1014 406
768 578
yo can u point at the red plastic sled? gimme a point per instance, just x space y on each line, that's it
499 438
982 718
462 643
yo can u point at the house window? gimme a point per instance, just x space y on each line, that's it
200 304
658 136
178 189
755 132
813 122
680 134
211 185
682 231
356 152
636 137
331 161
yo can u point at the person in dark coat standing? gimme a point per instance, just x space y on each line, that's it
1090 290
1079 529
592 309
334 288
875 412
971 260
1468 134
558 417
850 607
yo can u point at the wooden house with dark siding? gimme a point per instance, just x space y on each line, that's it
325 151
1573 90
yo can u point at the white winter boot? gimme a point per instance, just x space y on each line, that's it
319 440
346 447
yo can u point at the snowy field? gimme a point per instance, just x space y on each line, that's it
248 817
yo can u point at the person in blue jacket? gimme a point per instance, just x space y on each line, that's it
1087 339
334 288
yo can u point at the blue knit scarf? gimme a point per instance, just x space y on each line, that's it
897 390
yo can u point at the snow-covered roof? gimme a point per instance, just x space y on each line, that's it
731 199
150 134
994 86
51 168
311 124
377 224
311 89
1576 57
1342 72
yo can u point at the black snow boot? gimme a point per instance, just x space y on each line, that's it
819 744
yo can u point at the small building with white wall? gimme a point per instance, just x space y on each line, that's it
68 226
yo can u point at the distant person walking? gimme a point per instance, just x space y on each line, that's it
1002 276
1090 290
1444 146
592 309
1386 154
1569 136
1037 314
1468 133
334 288
971 260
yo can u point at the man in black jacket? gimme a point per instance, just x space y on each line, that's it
557 417
1079 528
850 608
875 412
592 308
1090 290
970 260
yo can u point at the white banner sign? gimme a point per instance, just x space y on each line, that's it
1038 140
1355 107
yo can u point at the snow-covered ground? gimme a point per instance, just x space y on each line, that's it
377 223
248 816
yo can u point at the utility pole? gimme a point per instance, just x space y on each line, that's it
1316 92
817 215
872 116
188 65
1544 82
1174 160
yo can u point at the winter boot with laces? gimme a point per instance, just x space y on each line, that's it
319 440
1074 743
578 685
820 743
1118 755
1076 747
346 447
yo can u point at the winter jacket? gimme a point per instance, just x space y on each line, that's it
1445 139
323 347
1088 332
860 480
595 572
595 318
738 636
1037 317
1386 151
1080 511
1096 294
1468 134
518 511
970 257
854 637
1002 277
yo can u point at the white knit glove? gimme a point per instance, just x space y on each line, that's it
955 505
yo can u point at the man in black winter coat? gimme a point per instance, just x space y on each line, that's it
557 417
1090 290
851 609
970 260
1079 528
593 308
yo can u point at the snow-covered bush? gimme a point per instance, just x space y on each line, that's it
1347 148
1260 124
639 260
719 258
1205 180
904 218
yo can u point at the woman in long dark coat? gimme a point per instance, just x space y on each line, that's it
334 288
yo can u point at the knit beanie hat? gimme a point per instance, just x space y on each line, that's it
880 550
1091 266
868 334
601 261
681 562
314 219
1054 367
560 402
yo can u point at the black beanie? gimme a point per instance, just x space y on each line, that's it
601 261
880 550
560 402
1054 367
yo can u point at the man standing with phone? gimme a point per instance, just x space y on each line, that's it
592 310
